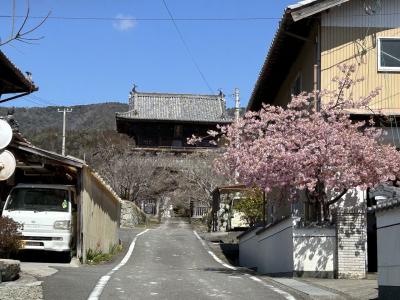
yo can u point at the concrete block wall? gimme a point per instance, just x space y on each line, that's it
351 243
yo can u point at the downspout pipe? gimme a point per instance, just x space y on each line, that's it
317 66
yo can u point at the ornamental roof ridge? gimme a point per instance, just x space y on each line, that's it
216 96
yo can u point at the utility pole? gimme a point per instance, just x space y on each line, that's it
237 104
64 111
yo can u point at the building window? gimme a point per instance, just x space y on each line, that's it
296 85
389 54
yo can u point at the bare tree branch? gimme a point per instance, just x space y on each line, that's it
21 34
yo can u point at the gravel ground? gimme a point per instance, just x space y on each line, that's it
21 292
26 287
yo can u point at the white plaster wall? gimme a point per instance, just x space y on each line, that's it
275 248
388 235
248 250
314 249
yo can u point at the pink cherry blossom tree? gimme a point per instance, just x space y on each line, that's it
298 148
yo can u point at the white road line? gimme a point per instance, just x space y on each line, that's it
216 258
98 289
254 278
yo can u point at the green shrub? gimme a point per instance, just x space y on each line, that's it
10 238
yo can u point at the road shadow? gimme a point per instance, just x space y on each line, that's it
226 271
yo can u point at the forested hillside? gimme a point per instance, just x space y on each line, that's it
83 117
87 126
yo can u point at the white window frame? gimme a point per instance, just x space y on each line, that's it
386 69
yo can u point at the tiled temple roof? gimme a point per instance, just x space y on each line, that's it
176 107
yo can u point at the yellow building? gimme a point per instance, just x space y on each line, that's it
314 37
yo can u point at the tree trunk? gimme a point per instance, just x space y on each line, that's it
326 211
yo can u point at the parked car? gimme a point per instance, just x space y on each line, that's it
48 215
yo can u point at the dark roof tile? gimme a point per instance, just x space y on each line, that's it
177 107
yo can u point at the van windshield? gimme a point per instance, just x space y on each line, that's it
38 199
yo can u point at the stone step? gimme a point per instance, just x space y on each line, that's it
9 269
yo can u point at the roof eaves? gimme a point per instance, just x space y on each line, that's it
126 116
301 4
282 24
28 84
307 8
292 13
67 160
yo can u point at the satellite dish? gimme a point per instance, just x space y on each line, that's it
6 134
7 165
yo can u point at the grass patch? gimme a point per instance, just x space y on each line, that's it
94 257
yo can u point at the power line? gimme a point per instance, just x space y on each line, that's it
187 48
205 19
69 18
47 102
26 99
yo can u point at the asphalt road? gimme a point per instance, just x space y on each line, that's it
168 262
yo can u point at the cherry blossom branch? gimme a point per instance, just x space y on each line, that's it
338 197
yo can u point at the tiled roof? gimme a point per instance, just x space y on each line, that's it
176 107
387 197
387 204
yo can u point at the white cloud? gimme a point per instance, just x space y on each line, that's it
124 23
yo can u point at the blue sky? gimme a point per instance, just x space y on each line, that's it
92 61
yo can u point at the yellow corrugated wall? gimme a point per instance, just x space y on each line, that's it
359 46
100 214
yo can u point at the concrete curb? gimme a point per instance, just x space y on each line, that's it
340 293
310 291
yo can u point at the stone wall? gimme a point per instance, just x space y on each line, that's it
131 215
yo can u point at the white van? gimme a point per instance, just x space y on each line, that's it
48 215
